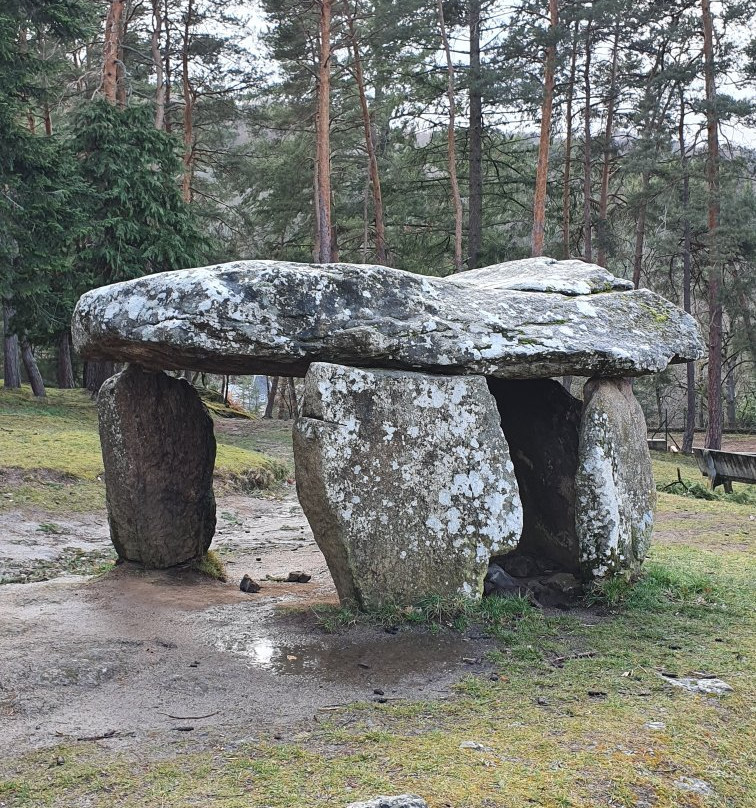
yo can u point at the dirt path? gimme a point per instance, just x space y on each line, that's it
146 655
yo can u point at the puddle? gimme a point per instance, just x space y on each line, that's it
269 642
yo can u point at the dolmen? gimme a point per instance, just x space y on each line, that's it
432 435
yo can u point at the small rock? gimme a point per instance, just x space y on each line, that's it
298 577
658 725
379 692
542 701
694 785
499 582
564 582
380 700
478 747
248 585
399 801
59 761
710 685
363 665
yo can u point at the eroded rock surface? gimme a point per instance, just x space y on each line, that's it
158 449
535 318
615 492
406 481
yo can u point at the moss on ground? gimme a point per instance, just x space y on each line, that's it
51 457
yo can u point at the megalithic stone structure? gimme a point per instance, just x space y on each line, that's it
582 480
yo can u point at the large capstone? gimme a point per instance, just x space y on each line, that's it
534 318
159 450
615 492
406 481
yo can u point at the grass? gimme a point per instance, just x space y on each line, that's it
577 716
679 474
211 566
51 455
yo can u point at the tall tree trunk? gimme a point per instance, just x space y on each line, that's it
323 136
603 223
188 117
65 366
375 181
11 367
475 196
167 62
121 64
32 371
640 228
157 60
690 375
566 195
542 171
452 147
587 254
111 50
272 390
714 431
730 380
96 373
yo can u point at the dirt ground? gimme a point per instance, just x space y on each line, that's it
170 656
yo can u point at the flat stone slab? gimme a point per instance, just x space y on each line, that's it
535 318
406 481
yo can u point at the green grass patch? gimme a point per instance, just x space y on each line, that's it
50 450
211 566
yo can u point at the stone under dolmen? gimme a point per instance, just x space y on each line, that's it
433 437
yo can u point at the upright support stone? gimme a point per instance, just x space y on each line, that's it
158 449
615 486
406 481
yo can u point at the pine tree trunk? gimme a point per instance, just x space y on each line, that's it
157 60
188 117
690 375
475 199
121 64
32 371
11 366
587 254
603 224
111 50
542 170
65 366
167 63
375 181
714 431
452 147
272 390
640 229
732 417
323 136
96 373
566 196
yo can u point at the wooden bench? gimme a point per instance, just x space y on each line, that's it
725 468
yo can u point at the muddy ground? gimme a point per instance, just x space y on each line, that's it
169 656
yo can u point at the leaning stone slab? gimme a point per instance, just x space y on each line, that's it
536 318
615 492
406 482
158 449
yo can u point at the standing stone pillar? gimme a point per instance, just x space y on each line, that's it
158 449
616 495
406 481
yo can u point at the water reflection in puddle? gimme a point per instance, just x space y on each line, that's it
361 655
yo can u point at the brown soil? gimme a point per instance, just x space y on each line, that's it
141 653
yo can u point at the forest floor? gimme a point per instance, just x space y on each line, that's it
133 688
